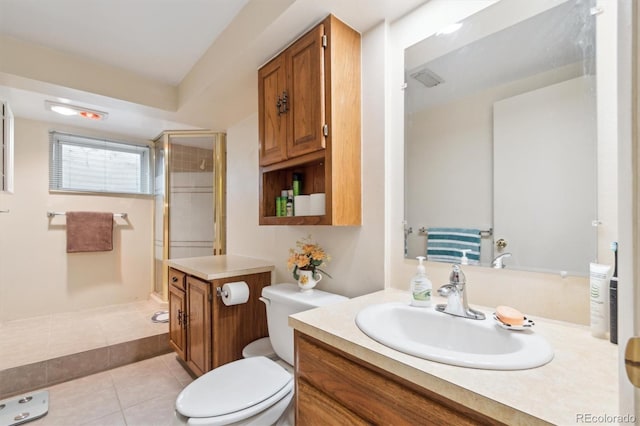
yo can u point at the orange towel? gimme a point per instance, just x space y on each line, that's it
89 231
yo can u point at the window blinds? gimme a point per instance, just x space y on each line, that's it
84 164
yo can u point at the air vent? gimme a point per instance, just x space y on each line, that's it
427 77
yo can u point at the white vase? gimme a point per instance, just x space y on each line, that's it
307 280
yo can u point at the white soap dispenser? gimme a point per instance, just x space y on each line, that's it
464 260
421 286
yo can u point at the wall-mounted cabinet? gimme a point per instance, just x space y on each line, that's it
309 123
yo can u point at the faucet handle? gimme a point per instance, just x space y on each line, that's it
457 276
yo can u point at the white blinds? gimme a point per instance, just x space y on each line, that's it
84 164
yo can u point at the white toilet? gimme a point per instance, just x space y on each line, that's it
255 390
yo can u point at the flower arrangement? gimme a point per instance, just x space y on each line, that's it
308 256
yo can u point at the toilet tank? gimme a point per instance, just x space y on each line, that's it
283 300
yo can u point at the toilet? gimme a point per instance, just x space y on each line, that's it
258 389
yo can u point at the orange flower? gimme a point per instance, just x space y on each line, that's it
307 256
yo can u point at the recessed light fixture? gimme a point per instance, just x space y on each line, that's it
450 29
71 110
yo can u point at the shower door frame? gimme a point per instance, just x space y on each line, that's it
219 199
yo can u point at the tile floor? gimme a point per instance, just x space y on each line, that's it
32 340
139 394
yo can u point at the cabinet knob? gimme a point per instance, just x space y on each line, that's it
174 279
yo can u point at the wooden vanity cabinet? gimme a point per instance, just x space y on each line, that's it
209 333
309 123
333 387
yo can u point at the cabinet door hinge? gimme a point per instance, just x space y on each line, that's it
324 40
325 130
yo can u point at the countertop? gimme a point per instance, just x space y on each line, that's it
224 266
581 379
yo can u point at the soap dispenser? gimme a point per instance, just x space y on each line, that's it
421 286
464 260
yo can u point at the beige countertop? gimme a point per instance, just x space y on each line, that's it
582 378
223 266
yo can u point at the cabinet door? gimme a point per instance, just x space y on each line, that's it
306 116
273 117
177 314
198 326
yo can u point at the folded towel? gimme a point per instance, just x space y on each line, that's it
89 231
446 244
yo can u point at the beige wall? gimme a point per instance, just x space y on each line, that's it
37 276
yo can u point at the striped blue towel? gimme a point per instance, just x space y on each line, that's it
446 244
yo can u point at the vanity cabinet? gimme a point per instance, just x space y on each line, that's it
333 387
203 331
309 123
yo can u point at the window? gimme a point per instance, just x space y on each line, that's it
84 164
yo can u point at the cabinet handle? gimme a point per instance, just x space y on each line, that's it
174 279
179 316
184 319
281 105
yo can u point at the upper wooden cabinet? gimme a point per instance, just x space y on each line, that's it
309 123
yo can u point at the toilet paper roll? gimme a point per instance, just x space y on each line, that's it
316 204
301 205
235 293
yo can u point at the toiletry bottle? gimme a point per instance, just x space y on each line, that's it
599 304
297 183
464 260
290 202
421 286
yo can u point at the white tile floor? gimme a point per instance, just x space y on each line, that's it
139 394
37 339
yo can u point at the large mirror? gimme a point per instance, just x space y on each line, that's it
501 139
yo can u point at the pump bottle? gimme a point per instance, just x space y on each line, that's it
421 286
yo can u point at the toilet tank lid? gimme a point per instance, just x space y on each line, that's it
313 298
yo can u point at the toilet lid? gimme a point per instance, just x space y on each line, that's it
232 387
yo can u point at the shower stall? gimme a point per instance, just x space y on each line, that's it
190 213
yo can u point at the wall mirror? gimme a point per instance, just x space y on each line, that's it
500 139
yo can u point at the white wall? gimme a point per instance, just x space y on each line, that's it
37 276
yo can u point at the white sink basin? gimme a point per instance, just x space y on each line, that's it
440 337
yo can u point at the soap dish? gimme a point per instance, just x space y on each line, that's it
525 326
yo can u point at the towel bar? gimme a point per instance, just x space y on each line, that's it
484 233
52 214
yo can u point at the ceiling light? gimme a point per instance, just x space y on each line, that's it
450 29
70 110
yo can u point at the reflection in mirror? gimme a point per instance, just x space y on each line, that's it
500 139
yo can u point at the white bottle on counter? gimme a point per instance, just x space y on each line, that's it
421 286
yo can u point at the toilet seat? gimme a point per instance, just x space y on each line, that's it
235 391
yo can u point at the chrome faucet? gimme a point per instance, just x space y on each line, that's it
498 261
456 297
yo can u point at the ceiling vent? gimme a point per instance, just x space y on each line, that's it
427 77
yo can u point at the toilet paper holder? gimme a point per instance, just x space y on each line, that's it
234 293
